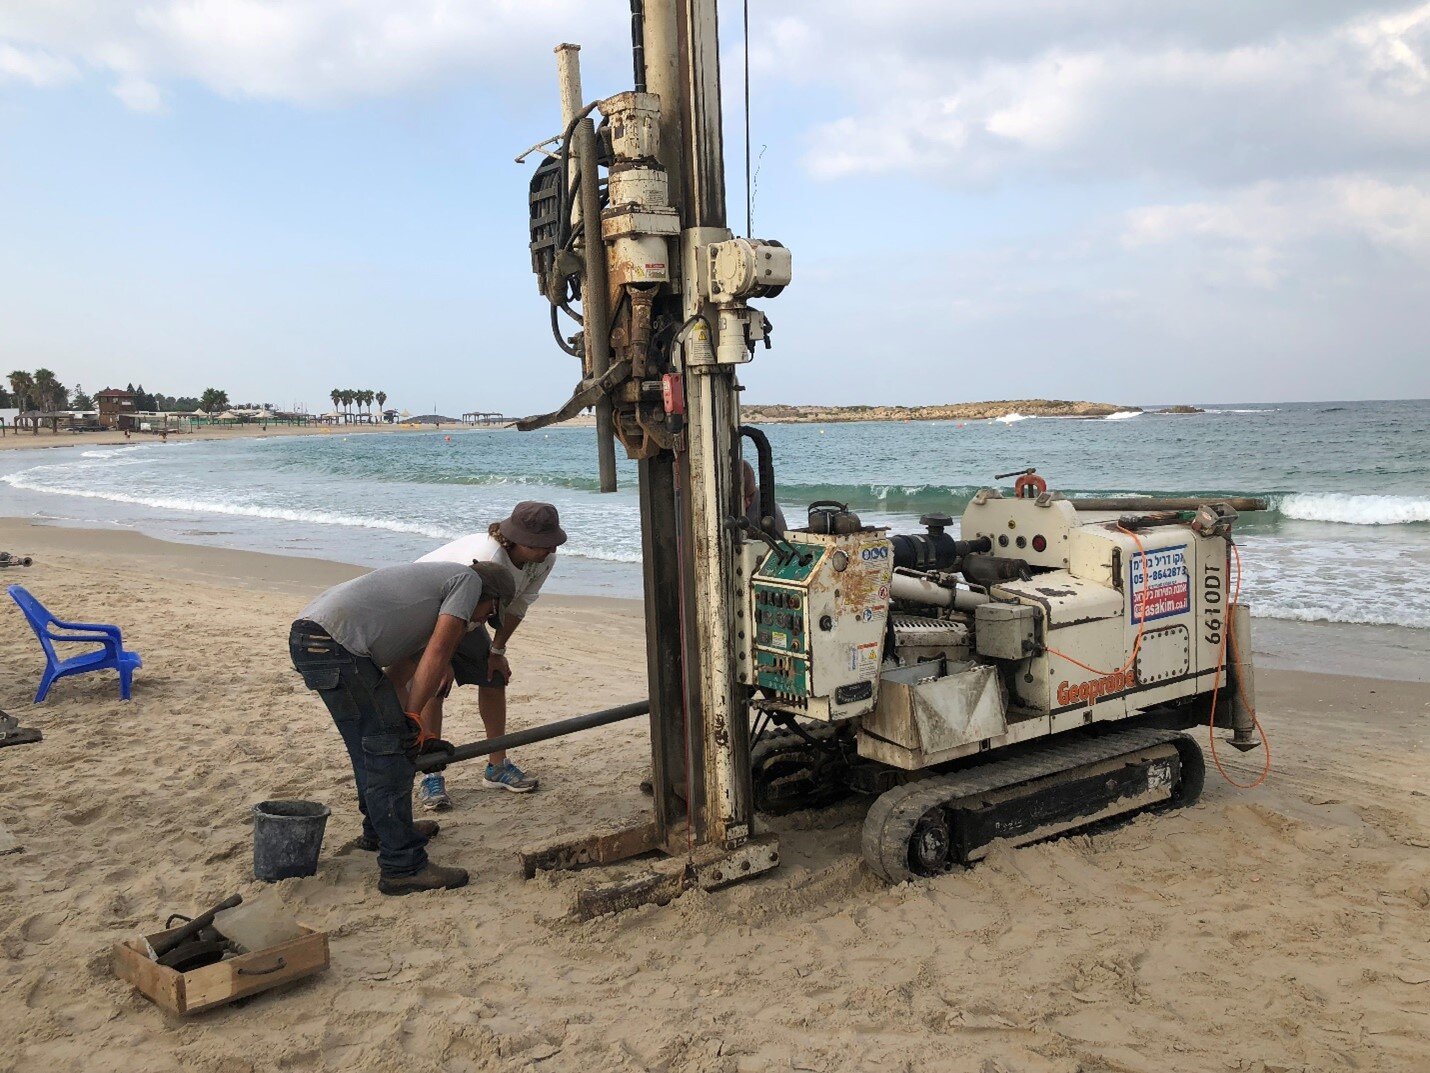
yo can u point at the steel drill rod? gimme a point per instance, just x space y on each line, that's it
545 732
1141 506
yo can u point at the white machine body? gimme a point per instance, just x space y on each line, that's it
1110 624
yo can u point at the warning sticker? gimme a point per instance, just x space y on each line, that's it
864 660
1161 585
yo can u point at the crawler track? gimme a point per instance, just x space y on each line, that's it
911 830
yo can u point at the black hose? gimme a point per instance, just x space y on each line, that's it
766 470
638 43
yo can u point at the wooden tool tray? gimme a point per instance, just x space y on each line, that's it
213 985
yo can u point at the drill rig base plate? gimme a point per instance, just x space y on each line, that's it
707 867
589 850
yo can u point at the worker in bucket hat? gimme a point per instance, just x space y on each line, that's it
525 544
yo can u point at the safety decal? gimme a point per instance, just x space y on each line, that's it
1161 585
864 660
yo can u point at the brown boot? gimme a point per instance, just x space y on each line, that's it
433 877
426 828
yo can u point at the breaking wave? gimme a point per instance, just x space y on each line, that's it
244 510
1008 419
1360 614
1123 415
1349 509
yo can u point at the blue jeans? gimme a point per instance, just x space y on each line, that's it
376 732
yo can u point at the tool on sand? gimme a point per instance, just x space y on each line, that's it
7 560
12 733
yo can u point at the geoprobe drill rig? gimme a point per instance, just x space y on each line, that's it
1025 679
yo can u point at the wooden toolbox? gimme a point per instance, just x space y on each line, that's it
224 981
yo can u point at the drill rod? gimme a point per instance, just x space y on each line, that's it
1142 506
437 761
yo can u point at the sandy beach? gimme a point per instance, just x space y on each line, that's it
1281 929
14 440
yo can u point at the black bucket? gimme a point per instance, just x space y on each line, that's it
287 837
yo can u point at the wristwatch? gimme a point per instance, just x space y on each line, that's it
495 651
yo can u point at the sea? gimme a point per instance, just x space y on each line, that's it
1346 540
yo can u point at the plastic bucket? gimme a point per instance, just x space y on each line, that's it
287 837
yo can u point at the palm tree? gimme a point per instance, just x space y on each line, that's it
23 386
45 384
348 396
367 396
214 400
337 397
381 397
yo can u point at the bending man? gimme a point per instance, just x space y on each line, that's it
524 545
340 645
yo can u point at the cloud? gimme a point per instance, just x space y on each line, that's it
1151 99
34 66
308 52
1272 234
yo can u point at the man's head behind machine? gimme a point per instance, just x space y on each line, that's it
497 584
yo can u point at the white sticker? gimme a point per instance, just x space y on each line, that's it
864 660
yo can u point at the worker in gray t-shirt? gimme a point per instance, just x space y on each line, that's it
342 643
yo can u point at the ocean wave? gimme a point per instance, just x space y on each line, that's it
1362 614
109 454
1008 419
243 510
1123 415
1348 509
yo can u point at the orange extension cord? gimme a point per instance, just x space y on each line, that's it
1226 634
1136 644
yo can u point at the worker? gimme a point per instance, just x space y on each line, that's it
341 645
752 499
524 544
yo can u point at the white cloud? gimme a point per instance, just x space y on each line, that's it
139 94
1395 216
1145 100
312 52
35 66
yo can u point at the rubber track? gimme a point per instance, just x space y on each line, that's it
891 821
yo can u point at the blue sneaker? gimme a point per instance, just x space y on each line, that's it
433 794
509 777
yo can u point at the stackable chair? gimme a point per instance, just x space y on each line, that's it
49 629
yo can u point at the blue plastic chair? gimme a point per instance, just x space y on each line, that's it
49 629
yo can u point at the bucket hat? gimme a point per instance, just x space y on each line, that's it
537 525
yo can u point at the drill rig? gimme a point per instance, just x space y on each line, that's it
1027 678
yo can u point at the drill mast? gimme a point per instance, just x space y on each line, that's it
666 324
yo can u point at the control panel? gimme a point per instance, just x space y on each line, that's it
819 610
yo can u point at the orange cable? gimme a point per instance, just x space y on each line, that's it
1141 626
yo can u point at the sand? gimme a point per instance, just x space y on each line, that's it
1281 929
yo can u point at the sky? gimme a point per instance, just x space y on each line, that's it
1112 200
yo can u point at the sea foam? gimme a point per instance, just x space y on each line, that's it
1351 509
244 510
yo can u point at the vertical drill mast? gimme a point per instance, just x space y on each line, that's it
675 287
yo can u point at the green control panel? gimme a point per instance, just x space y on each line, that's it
818 607
781 639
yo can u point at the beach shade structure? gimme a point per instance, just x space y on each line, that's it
49 629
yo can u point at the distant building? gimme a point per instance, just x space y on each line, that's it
116 408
